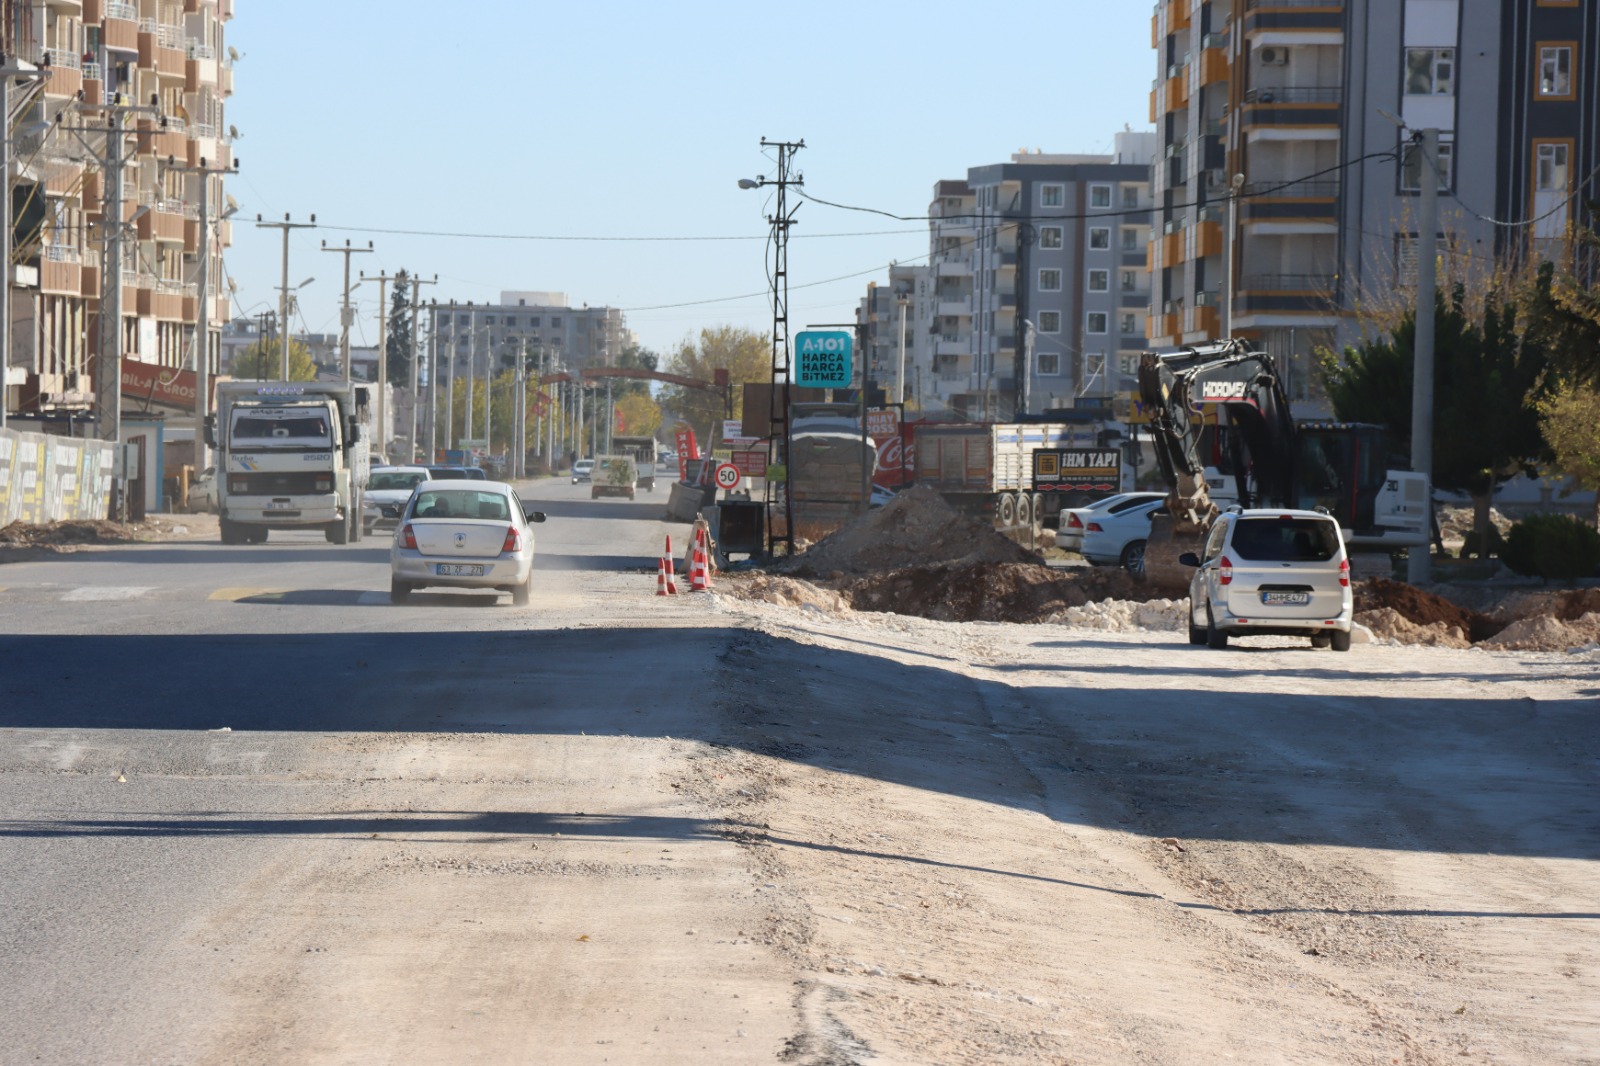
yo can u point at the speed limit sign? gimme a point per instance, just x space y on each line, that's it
728 476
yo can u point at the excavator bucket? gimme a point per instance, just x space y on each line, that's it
1161 567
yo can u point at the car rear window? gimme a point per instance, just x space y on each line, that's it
1285 539
460 503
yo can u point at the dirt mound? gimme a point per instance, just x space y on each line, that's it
918 528
46 534
1123 616
1547 633
1387 623
1568 605
1422 608
987 592
785 592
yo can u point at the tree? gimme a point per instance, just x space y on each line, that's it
635 357
398 344
1486 378
263 361
745 355
640 415
1568 417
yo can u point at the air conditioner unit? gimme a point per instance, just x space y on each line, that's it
1275 57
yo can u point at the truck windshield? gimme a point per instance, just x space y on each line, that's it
281 428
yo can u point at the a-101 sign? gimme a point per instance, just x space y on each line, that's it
822 360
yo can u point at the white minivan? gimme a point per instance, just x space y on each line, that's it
1278 572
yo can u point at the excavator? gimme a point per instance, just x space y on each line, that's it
1273 461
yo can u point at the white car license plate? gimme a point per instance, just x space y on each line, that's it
1285 599
460 570
274 505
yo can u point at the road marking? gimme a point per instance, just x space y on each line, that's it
236 594
106 592
368 599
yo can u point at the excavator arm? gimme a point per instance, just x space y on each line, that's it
1177 389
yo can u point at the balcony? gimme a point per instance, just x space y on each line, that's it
1214 66
1305 16
1207 239
121 26
66 71
953 265
1300 201
1292 293
1292 108
956 308
60 271
1177 16
952 345
165 223
161 48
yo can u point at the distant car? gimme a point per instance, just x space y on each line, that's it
203 492
1265 571
881 496
450 473
463 534
388 489
582 470
1119 539
1074 520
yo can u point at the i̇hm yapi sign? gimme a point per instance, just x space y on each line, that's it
822 360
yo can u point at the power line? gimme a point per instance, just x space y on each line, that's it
596 239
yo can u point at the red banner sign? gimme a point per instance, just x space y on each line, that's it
687 449
147 382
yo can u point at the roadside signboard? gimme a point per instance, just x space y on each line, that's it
883 423
1077 470
728 477
751 463
822 359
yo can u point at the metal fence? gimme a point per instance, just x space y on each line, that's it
52 479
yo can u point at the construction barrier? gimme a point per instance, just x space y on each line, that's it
44 478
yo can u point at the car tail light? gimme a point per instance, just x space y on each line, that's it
1093 527
1074 522
1344 572
408 539
1224 571
324 484
513 541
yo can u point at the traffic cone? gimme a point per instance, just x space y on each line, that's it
661 577
699 573
666 580
703 536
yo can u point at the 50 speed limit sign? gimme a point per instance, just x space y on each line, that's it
728 476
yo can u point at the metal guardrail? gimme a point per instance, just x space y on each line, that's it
1331 94
1317 283
116 9
57 253
1309 190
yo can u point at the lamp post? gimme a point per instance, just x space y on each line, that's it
283 290
1233 245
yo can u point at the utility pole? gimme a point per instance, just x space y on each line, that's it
416 376
202 325
450 391
1235 185
346 316
900 375
1419 564
1027 367
780 220
8 73
283 291
383 357
611 416
472 366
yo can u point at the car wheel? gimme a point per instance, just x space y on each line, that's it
521 594
231 533
1321 640
1197 634
399 591
1341 640
1133 559
256 536
1215 638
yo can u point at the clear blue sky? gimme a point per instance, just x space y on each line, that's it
513 117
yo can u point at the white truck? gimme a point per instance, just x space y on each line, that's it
290 455
644 452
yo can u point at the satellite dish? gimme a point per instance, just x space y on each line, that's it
233 133
233 54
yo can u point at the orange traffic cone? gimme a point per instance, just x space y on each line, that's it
666 580
699 572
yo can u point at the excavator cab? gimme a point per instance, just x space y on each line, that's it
1341 466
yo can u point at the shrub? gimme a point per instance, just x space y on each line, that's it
1552 546
1469 544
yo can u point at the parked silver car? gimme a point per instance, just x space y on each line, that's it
1265 571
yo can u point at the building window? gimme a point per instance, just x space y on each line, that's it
1130 281
1096 322
534 321
1099 196
1099 281
1130 196
1052 195
1411 166
555 321
1128 363
1128 324
1050 237
1130 239
444 320
1555 72
1550 168
1049 364
1049 321
1050 281
1430 71
1100 237
511 321
488 320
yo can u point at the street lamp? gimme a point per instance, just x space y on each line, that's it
1233 245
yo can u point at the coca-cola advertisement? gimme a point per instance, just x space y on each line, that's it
897 455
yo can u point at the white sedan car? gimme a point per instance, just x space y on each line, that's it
386 494
1119 539
463 534
1074 520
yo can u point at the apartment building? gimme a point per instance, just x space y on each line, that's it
1057 242
1287 188
71 58
481 336
898 344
